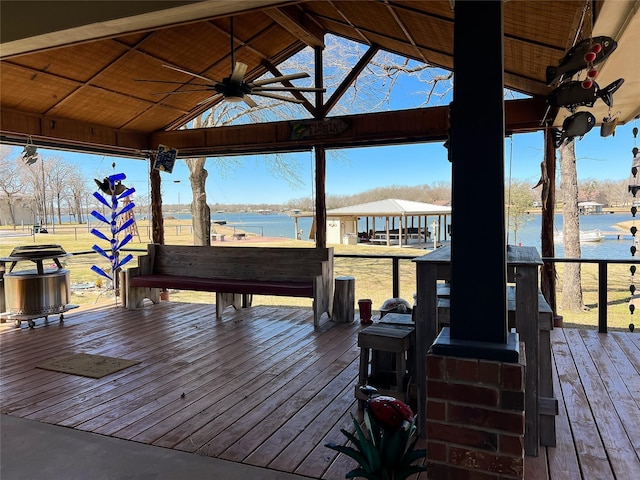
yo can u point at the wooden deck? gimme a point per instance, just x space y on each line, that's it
263 387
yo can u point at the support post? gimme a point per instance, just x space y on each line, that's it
157 222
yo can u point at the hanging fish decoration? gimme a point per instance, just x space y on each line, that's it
577 125
572 94
106 186
608 126
588 52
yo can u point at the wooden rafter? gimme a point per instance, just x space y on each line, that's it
406 31
349 79
292 19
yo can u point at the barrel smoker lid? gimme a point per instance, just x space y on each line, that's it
38 251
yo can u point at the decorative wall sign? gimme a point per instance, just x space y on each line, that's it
165 159
317 128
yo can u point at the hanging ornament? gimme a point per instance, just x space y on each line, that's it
113 187
633 188
587 83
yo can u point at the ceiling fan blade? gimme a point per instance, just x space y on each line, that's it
282 78
176 83
173 92
239 70
278 97
209 99
288 89
187 72
249 101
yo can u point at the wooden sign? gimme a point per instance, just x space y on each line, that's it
317 128
165 159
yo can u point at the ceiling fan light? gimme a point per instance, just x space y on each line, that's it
233 98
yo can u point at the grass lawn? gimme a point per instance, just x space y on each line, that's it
373 276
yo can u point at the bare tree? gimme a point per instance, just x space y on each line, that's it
59 174
34 178
77 190
10 181
571 285
519 201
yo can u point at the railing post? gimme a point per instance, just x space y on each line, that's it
396 277
602 296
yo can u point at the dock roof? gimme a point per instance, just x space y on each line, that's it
390 208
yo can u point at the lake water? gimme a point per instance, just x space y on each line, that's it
281 225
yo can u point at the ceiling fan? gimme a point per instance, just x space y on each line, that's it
235 89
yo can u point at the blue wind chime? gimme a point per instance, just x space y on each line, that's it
634 188
113 187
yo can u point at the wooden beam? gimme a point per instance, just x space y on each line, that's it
371 129
277 73
293 19
66 134
349 79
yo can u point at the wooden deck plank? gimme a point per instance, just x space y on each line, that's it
268 367
627 381
217 412
149 424
613 344
232 383
591 452
264 447
630 344
174 381
92 391
269 398
294 452
610 399
562 460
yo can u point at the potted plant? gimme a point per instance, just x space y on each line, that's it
385 446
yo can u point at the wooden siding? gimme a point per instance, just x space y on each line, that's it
203 386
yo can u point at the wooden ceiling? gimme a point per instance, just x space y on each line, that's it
68 69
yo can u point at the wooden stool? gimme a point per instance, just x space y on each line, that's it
344 299
386 338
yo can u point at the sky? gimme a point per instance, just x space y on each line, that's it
356 170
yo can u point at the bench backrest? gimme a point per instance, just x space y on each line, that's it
242 263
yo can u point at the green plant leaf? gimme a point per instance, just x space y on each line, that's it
352 439
374 427
367 448
351 452
412 456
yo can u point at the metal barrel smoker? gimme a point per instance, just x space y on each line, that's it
39 292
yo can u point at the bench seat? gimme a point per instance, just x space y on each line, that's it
225 285
234 274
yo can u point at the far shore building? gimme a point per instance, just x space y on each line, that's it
387 222
589 208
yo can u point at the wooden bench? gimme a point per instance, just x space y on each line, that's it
234 274
217 236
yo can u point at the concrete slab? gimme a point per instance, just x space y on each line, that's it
31 450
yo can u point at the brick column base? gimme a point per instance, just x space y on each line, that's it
475 418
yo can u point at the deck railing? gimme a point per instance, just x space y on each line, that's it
602 284
603 281
395 262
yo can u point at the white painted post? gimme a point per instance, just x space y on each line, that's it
434 227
